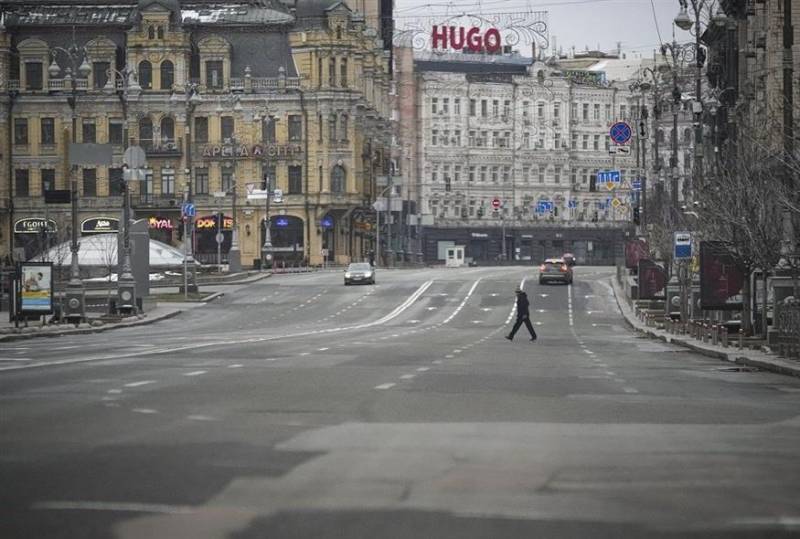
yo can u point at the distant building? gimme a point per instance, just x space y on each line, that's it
528 135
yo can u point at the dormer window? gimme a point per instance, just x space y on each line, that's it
151 33
33 76
339 32
214 78
160 32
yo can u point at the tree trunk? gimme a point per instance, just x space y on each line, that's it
747 322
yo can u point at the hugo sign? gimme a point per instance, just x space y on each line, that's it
443 37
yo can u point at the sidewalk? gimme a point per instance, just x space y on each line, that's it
748 358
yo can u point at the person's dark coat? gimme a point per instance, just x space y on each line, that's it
523 305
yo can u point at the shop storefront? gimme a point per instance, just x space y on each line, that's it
287 234
206 229
99 225
34 235
162 229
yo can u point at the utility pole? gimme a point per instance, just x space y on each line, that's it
788 243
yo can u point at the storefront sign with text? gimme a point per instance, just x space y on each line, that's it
458 37
256 151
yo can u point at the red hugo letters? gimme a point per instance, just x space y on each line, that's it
457 37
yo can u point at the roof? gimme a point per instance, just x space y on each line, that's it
234 14
85 15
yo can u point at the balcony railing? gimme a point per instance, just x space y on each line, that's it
163 148
150 200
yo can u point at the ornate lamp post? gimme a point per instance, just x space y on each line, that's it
234 254
74 306
265 115
127 88
190 98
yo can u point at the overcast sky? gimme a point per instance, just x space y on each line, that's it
579 23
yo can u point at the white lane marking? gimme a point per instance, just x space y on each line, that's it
630 390
194 346
456 351
142 383
114 391
407 376
589 352
541 311
463 302
200 418
486 309
449 356
413 321
271 359
437 361
431 308
569 304
15 359
477 321
304 354
323 349
544 295
611 373
386 386
114 506
235 366
423 369
194 373
144 411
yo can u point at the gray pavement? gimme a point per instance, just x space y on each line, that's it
297 407
740 356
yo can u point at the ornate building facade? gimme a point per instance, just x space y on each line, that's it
529 138
223 99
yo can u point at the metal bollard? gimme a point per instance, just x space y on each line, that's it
724 336
715 335
741 339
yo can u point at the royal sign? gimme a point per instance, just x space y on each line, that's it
458 37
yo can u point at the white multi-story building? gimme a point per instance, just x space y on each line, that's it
503 128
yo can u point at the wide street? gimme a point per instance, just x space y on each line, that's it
296 407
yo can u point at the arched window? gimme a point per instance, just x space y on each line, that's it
338 179
145 75
151 33
160 32
146 133
167 130
167 75
339 32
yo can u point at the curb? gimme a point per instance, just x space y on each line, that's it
731 357
86 331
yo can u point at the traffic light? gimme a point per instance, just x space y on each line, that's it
264 180
636 218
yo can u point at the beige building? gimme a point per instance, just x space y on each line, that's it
221 99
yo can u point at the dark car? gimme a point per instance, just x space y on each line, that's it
555 269
569 258
359 273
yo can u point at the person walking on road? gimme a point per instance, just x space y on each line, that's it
523 316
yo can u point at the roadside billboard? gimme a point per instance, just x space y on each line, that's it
36 287
652 280
721 278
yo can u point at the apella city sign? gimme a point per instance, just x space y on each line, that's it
457 37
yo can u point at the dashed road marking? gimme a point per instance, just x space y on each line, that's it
386 386
194 373
142 383
144 411
407 376
423 369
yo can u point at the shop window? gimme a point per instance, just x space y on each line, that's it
21 184
90 182
145 75
167 75
48 128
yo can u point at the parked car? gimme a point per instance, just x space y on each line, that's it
555 269
569 258
359 273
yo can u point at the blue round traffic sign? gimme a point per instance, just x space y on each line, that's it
620 132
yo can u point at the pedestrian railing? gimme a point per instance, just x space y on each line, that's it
788 328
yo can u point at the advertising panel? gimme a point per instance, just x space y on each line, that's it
721 278
635 250
652 280
36 287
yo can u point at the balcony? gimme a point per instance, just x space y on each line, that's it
164 148
156 201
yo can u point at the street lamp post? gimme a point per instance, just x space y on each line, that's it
126 284
190 99
234 254
74 306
